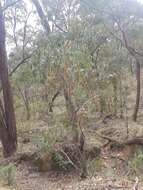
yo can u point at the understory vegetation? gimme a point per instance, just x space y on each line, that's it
71 96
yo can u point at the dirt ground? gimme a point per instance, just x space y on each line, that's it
27 180
114 173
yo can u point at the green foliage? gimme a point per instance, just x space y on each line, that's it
89 54
60 162
94 166
85 48
7 174
64 121
45 141
41 143
136 163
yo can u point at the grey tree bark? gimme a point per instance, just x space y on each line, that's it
8 132
42 16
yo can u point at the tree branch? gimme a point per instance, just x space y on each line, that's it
21 62
10 5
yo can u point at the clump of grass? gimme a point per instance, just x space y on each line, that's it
7 174
135 164
94 166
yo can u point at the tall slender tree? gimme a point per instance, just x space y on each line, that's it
7 121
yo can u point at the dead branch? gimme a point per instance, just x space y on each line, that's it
52 100
108 138
69 160
118 187
134 141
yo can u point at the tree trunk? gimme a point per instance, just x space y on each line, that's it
42 16
138 90
72 114
8 126
78 139
25 98
27 104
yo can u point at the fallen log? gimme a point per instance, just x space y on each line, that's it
134 141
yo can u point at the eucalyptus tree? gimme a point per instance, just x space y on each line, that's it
10 13
7 120
125 21
122 24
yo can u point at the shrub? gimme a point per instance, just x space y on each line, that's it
60 162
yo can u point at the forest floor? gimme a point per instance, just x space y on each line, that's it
111 172
117 168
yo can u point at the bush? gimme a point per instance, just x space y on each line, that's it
60 162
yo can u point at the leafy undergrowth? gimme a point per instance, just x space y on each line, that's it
117 167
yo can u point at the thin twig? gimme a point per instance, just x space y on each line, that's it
69 160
